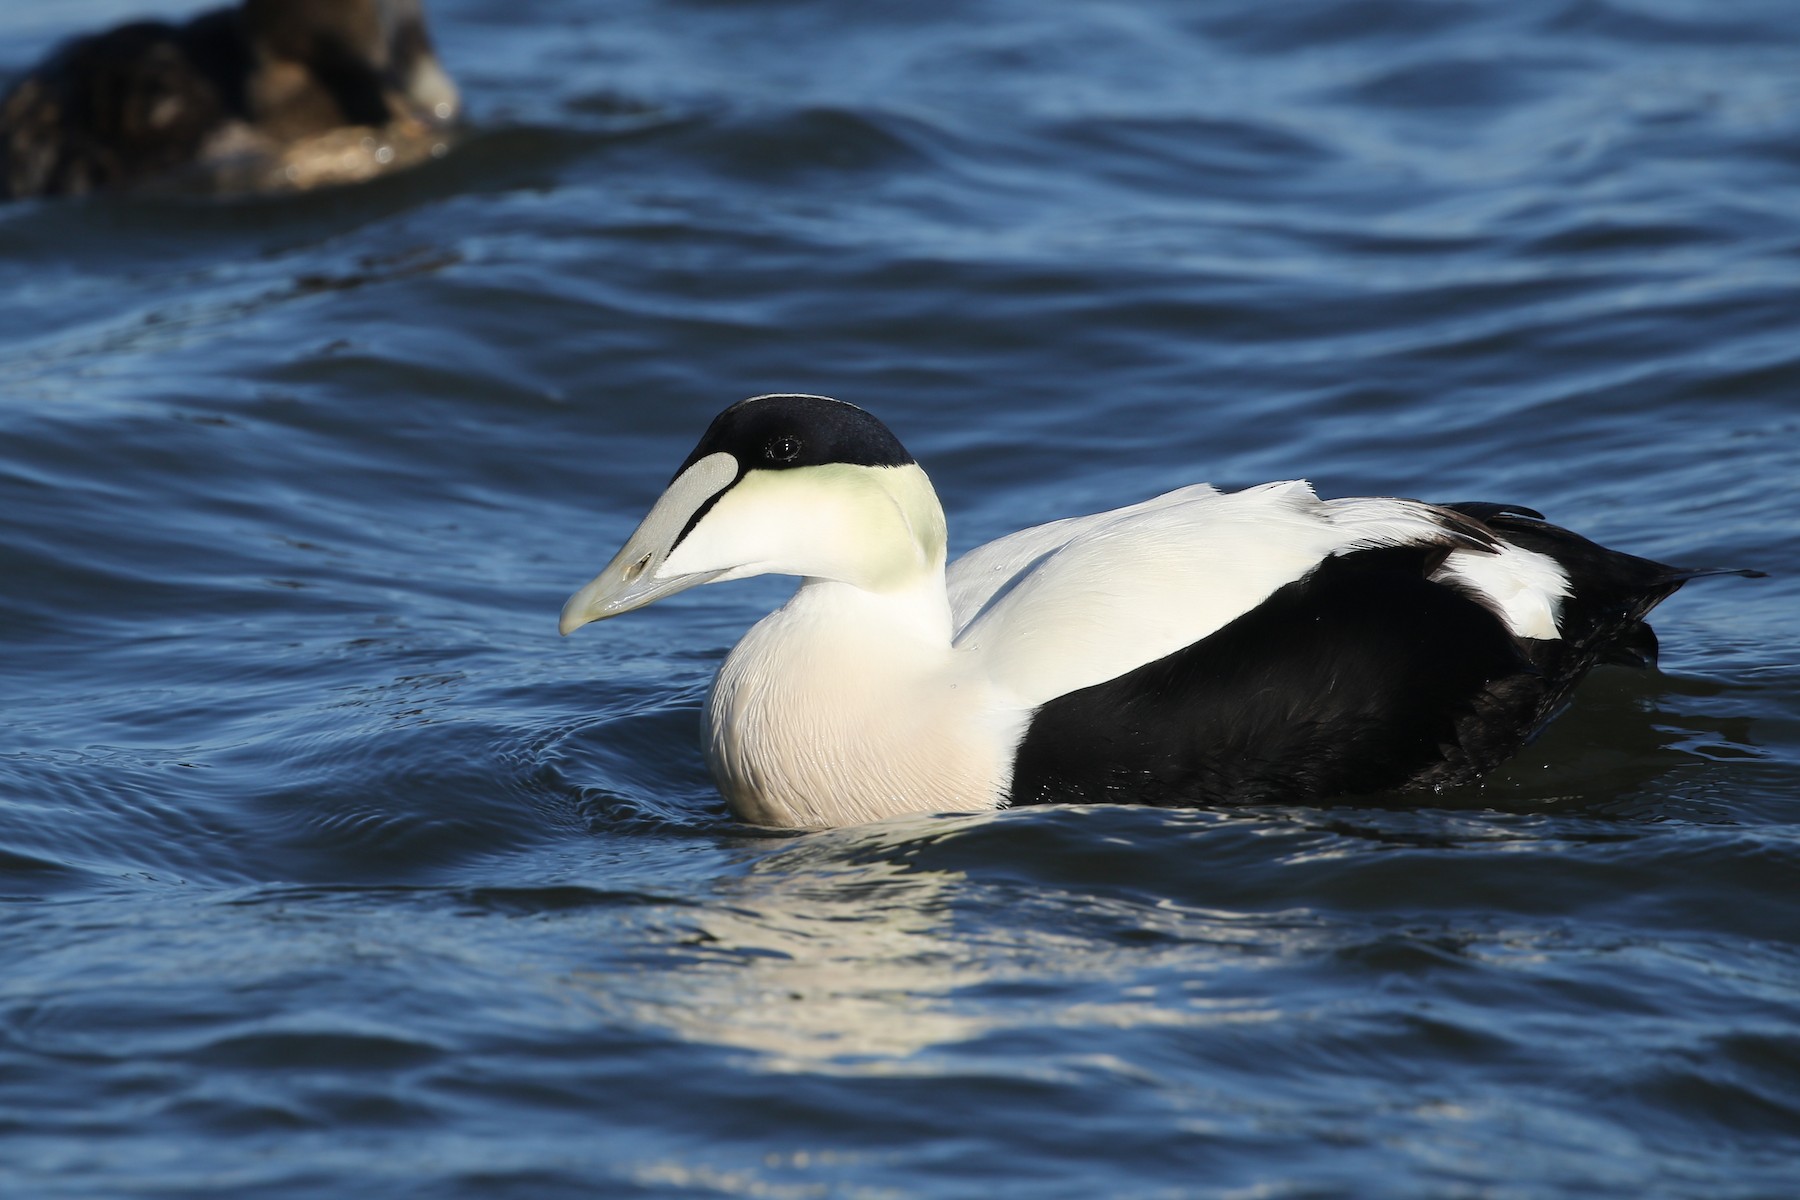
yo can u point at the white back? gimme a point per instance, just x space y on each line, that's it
1076 602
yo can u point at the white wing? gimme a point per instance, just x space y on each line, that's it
1076 602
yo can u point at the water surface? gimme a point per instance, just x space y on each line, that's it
330 870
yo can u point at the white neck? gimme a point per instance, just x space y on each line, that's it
848 705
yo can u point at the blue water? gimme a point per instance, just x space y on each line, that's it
331 871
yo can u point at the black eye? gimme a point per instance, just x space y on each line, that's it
783 447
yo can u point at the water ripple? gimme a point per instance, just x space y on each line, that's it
329 870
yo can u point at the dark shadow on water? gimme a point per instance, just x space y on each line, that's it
107 232
639 770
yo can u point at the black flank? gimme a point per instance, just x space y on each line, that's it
1366 675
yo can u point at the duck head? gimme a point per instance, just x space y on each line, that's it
373 58
784 484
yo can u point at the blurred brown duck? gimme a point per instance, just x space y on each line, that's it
271 95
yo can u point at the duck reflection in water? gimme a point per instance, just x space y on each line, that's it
272 95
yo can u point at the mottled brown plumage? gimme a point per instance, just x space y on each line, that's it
272 94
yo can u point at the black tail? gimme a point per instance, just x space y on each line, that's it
1609 593
1680 575
1638 647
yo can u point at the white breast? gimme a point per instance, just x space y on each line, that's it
842 706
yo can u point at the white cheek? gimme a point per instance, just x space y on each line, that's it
731 534
783 521
834 521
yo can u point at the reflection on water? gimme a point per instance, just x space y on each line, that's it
843 954
820 965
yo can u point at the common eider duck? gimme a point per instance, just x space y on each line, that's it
1199 648
270 95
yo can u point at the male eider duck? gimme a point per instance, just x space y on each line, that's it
271 95
1202 647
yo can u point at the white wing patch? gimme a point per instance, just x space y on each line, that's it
1524 587
987 570
1076 602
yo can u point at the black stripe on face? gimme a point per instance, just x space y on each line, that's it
705 507
776 433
